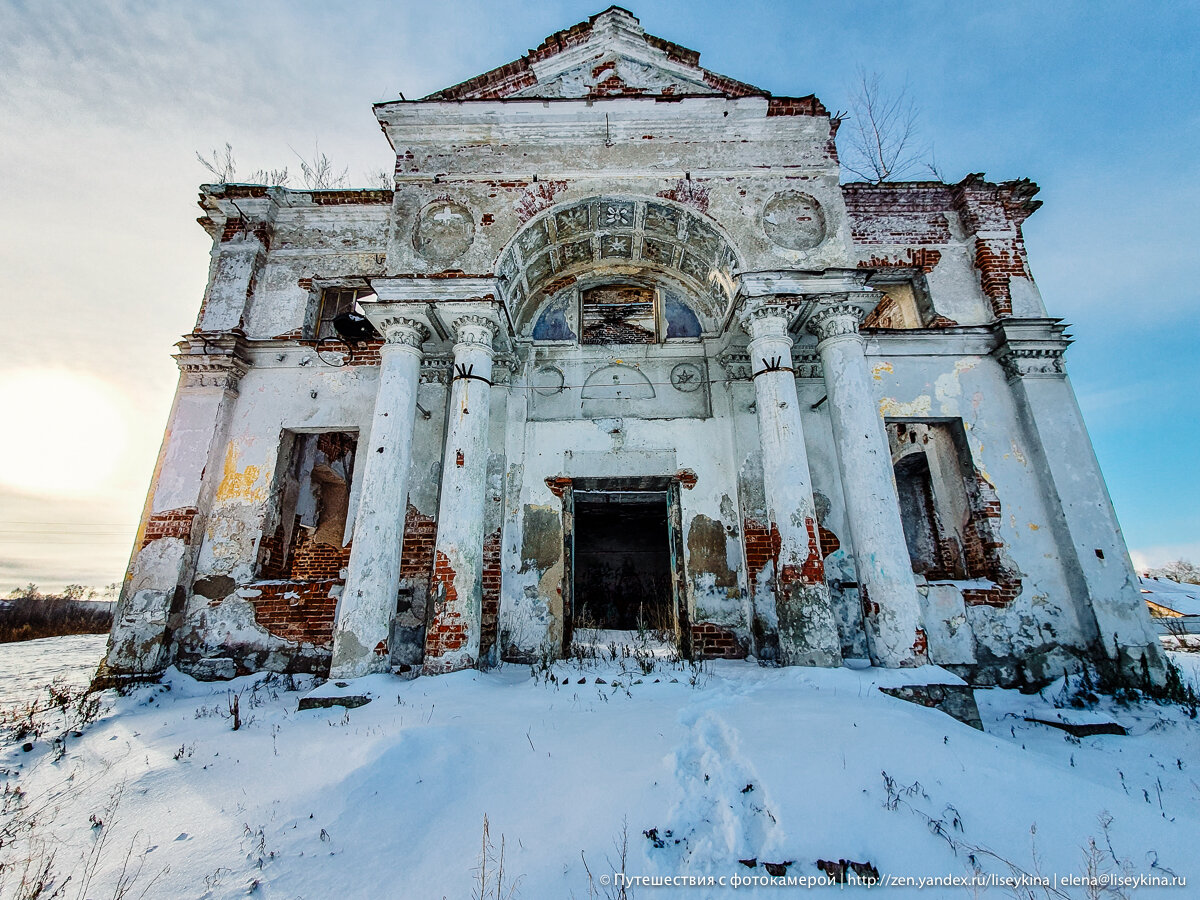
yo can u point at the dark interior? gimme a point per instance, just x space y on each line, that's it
622 560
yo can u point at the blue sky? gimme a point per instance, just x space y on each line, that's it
104 105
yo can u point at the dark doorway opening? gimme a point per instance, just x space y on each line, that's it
622 561
914 485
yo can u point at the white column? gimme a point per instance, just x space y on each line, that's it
1093 551
161 568
807 632
452 641
891 609
364 614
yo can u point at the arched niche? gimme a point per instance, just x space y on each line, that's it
617 382
615 240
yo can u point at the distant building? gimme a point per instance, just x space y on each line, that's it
1168 599
631 356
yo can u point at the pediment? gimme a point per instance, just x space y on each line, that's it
609 55
613 74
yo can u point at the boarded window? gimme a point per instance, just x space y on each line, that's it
618 314
336 301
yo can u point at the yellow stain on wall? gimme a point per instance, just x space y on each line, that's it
889 406
878 370
237 485
1033 527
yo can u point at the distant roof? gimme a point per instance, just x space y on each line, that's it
609 55
1181 598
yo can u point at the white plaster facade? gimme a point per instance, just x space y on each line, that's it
762 398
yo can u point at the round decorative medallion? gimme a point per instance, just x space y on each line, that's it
794 221
548 380
687 377
444 231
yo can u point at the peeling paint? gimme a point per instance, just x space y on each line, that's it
239 484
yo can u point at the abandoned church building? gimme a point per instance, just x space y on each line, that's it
618 351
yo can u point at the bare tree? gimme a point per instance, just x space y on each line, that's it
381 180
221 164
882 140
224 168
1180 570
318 173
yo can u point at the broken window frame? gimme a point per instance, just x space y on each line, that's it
349 293
921 304
288 504
654 316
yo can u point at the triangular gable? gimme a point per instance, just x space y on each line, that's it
608 55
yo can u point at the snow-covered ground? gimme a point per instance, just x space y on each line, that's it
28 666
719 763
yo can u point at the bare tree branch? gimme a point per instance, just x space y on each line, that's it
221 164
881 142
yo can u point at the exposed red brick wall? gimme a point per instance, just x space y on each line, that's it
491 593
304 560
762 546
882 313
999 260
235 226
915 258
796 106
731 88
299 612
273 556
311 561
516 75
915 213
336 444
447 630
899 212
172 523
416 554
711 641
982 550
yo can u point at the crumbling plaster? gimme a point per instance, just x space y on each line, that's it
474 178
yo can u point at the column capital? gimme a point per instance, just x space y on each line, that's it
835 319
766 316
1030 362
402 331
212 361
476 330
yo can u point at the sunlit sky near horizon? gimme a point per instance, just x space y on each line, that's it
103 106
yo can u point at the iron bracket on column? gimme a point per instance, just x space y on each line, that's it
465 372
774 364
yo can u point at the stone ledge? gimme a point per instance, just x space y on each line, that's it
349 701
955 700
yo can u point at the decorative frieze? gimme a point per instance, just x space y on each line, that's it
213 372
436 369
736 364
1025 362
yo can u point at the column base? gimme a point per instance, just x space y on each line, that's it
351 659
808 635
444 665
